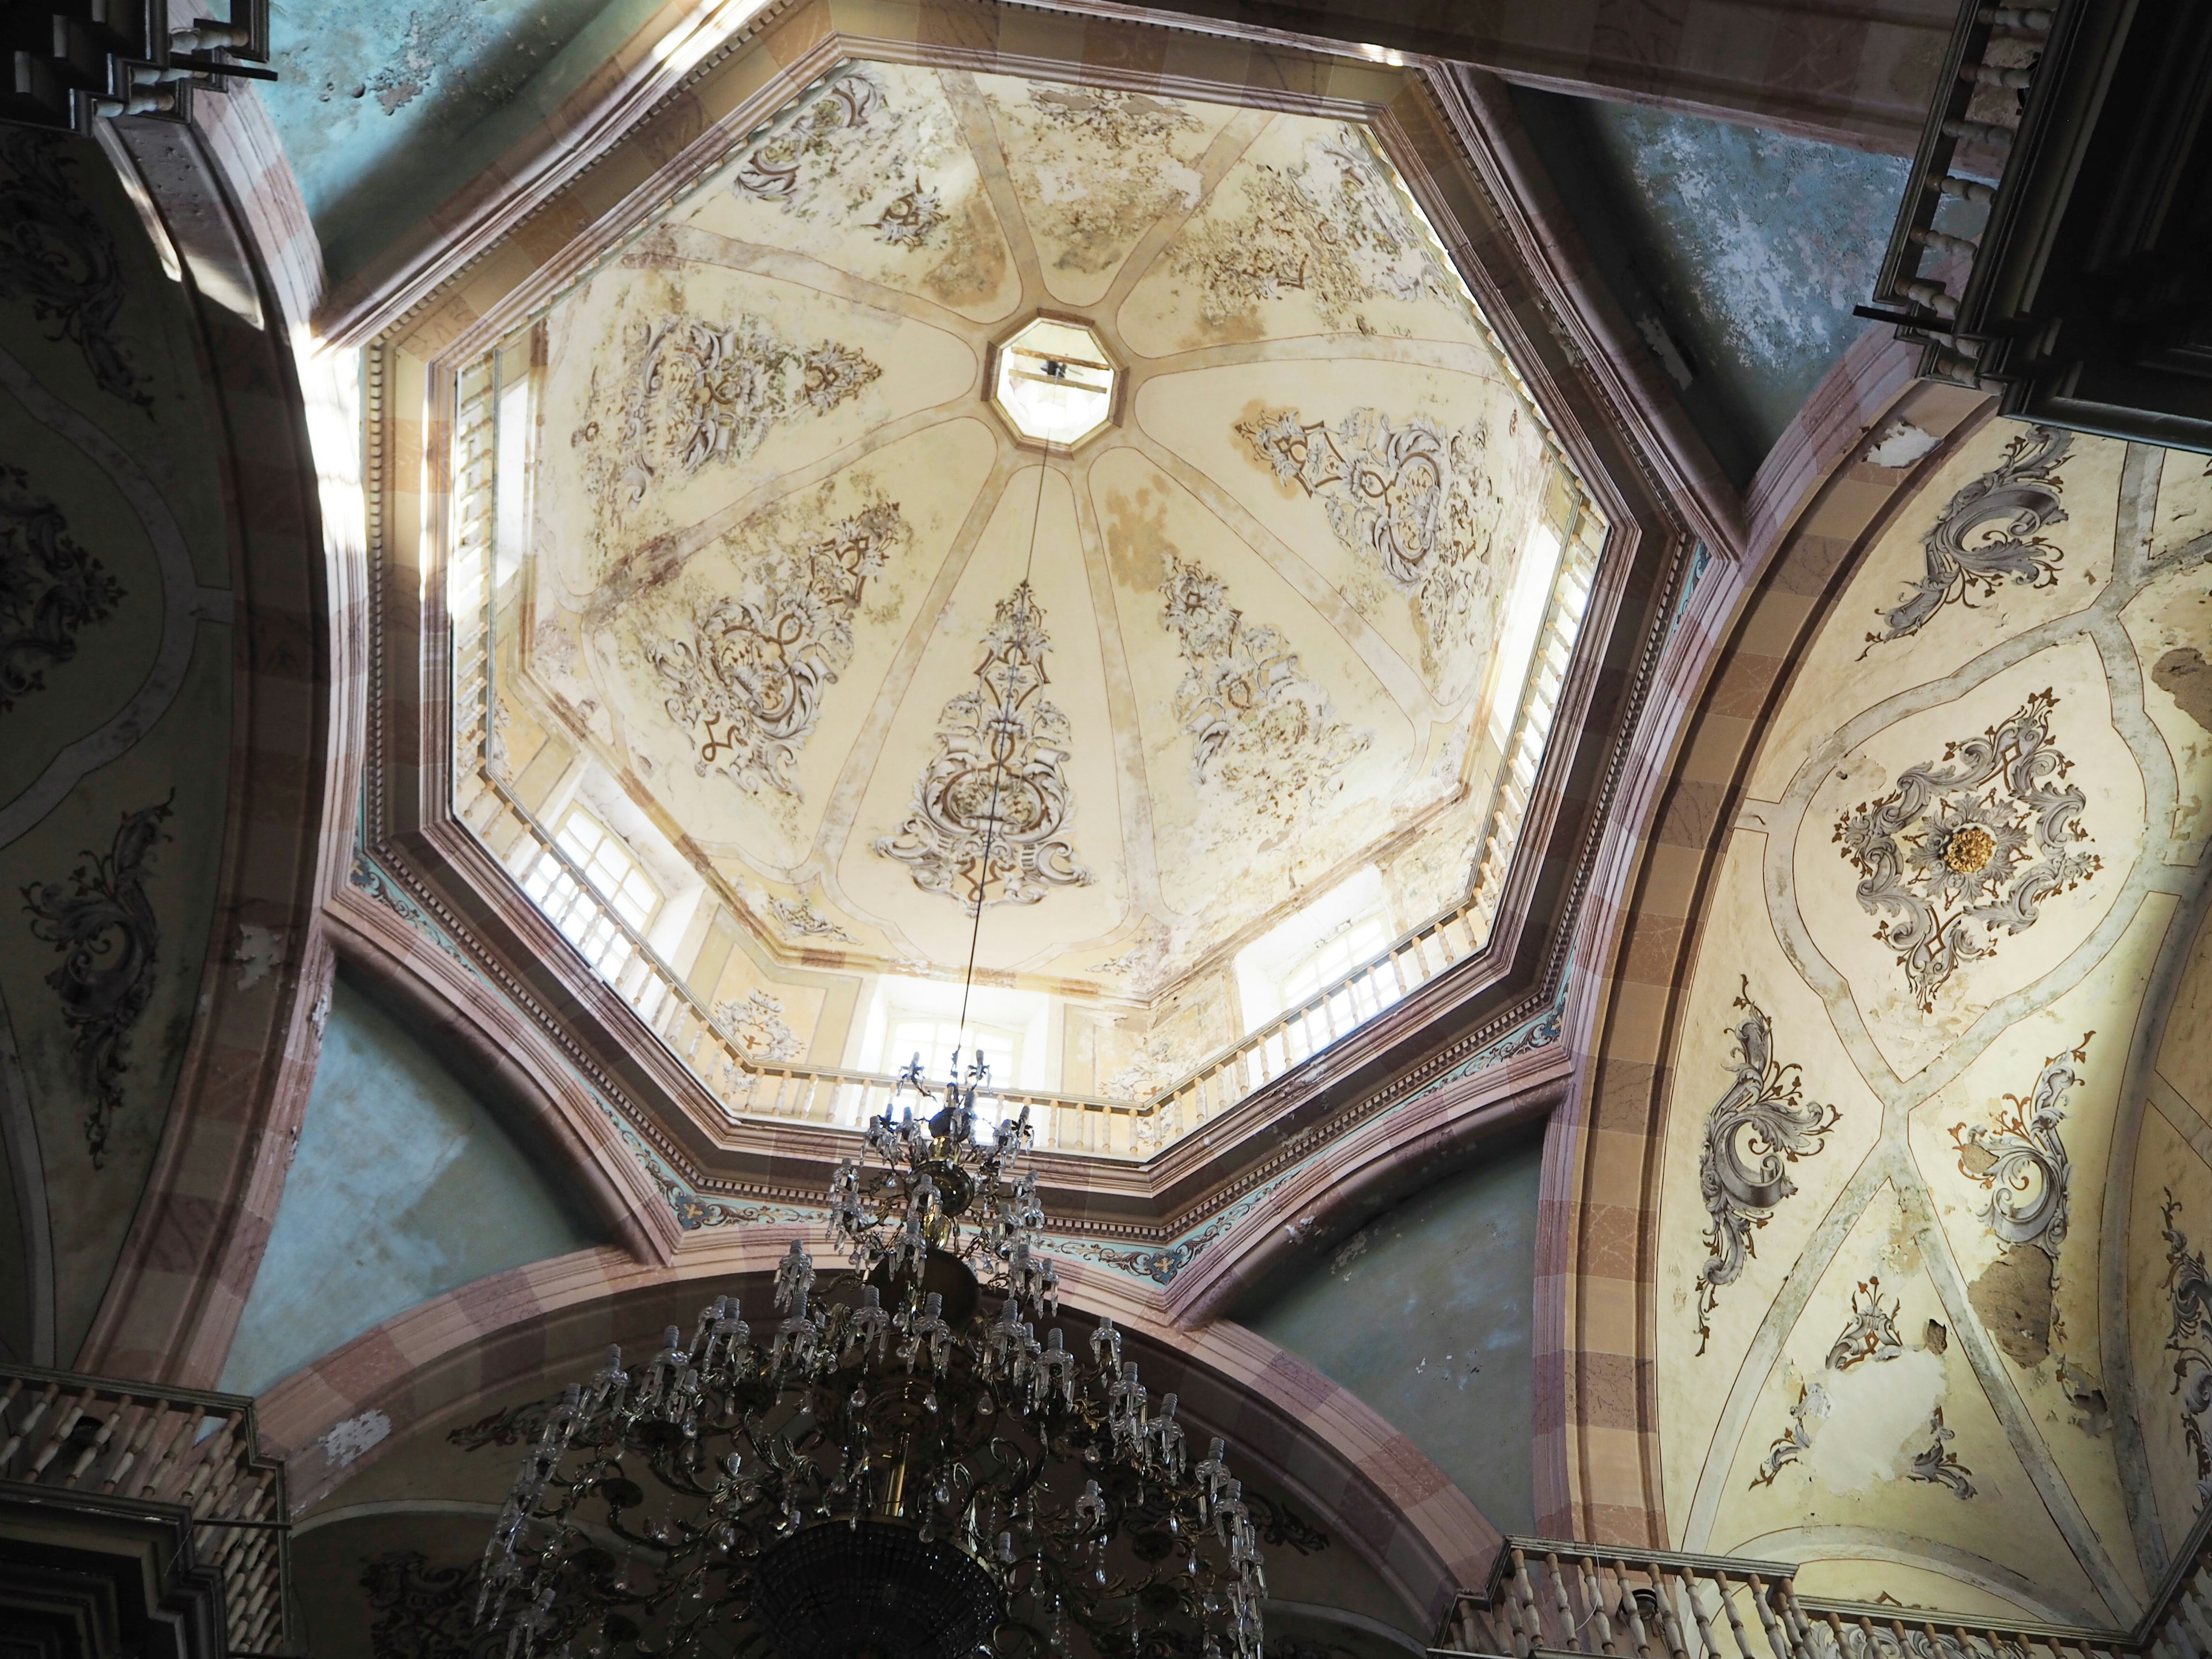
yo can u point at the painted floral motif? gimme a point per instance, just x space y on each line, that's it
1330 226
991 810
510 1426
1258 725
759 1027
102 921
2005 507
855 153
2190 1339
1981 837
1414 498
747 685
693 391
799 917
50 588
1103 167
1937 1463
1872 1333
2022 1161
1793 1441
56 253
1762 1123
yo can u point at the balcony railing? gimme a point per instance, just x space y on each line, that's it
1964 158
750 1086
185 1450
1545 1597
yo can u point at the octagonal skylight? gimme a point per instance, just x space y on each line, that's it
1055 382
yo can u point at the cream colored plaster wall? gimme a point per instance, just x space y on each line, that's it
1974 832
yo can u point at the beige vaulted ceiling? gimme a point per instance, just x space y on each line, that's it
797 582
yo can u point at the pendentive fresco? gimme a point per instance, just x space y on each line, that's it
101 920
1966 853
56 253
51 588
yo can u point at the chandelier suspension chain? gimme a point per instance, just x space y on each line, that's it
997 774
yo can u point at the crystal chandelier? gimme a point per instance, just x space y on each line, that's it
893 1467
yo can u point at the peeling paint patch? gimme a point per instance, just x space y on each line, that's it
260 952
349 1439
1900 445
1758 245
1877 1419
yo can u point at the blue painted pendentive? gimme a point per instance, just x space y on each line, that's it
1737 253
1425 1315
386 108
403 1187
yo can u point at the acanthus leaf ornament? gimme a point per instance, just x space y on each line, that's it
2189 1340
1980 837
1257 721
1759 1126
747 685
50 588
2022 1161
1412 497
990 819
103 922
2007 505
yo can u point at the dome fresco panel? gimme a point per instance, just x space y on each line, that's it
789 547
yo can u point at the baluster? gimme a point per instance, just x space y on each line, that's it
56 1436
1686 1586
1569 1630
1836 1631
1629 1612
1735 1621
1594 1596
1794 1620
1670 1627
1777 1638
1524 1599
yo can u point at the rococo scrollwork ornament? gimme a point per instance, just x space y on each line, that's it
102 921
747 682
1759 1126
891 1464
2022 1161
2190 1339
1967 848
990 818
2004 508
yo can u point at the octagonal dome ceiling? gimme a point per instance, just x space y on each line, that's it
836 624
